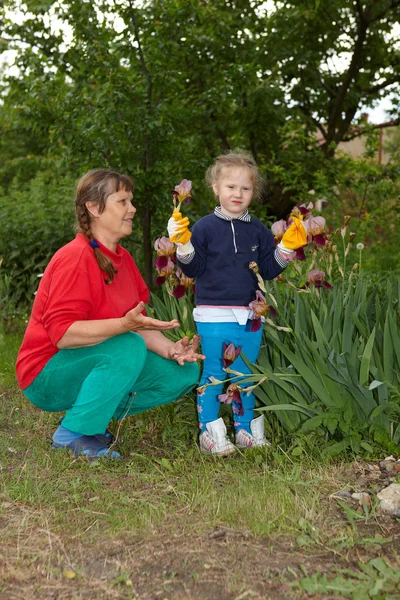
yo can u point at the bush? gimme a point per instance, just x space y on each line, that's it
35 220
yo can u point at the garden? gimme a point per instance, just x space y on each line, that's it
156 90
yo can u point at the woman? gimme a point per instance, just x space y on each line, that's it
89 348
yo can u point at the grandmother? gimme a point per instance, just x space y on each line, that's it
89 349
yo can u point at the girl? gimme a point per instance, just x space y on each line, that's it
217 253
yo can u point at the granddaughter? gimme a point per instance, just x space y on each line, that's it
217 252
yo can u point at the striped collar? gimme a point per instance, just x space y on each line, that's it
244 217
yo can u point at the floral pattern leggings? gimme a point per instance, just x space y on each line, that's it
213 335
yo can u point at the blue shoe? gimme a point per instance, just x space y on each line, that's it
88 445
106 438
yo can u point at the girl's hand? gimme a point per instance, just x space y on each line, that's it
184 351
135 321
295 236
178 231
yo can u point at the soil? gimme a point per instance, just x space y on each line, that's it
219 564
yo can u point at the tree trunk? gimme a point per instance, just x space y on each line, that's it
147 242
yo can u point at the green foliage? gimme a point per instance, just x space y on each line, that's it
11 331
134 90
35 220
369 194
166 307
325 94
344 350
378 578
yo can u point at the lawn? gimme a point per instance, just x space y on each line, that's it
170 523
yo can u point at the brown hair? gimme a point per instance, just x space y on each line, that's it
95 186
233 160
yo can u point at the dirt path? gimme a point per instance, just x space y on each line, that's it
216 565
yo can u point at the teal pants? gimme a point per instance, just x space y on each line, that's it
114 379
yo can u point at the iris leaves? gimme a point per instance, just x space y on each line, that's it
345 349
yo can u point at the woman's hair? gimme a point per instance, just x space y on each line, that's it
233 160
95 186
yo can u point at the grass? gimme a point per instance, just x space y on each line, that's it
259 492
169 521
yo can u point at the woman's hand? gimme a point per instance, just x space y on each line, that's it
135 321
185 351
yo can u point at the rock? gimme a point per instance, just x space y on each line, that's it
341 494
390 498
372 468
219 534
360 496
389 466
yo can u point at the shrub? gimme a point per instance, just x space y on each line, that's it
35 220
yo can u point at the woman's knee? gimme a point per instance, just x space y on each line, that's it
125 348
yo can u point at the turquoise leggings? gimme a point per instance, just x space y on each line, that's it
116 378
213 335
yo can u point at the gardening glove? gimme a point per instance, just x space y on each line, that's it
179 233
294 237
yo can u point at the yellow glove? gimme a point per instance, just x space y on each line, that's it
295 236
178 228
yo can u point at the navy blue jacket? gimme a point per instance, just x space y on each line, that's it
224 247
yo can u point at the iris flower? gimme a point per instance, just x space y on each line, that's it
316 227
300 254
301 210
160 280
278 229
161 262
165 253
181 193
165 270
232 396
164 247
318 279
260 308
183 285
230 354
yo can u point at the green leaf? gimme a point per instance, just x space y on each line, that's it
311 424
312 379
366 360
374 384
367 447
278 407
388 349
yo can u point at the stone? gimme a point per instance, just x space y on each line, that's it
390 498
342 494
360 496
389 466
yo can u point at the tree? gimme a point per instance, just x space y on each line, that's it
334 59
157 90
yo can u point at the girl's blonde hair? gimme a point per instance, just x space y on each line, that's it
233 160
95 186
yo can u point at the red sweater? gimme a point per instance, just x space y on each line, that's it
73 289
